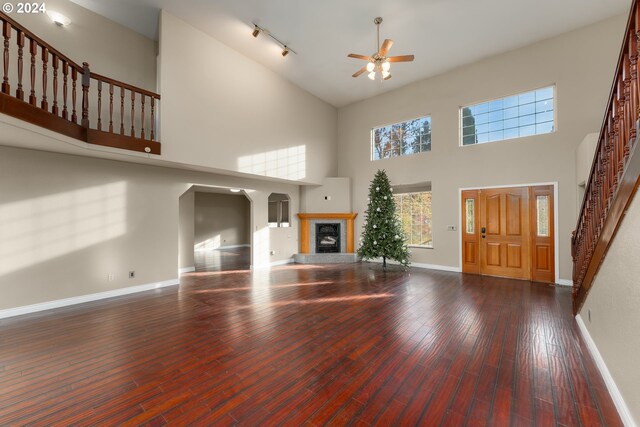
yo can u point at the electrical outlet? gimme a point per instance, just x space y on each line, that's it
132 274
110 277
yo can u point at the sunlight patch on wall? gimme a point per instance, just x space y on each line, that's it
286 163
261 246
208 245
43 228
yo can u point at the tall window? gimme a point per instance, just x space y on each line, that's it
525 114
279 210
414 211
401 139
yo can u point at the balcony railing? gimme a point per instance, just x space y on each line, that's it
66 97
615 171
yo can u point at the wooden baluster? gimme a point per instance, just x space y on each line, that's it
111 107
56 61
99 104
630 129
45 60
621 128
614 118
20 43
121 110
6 34
86 83
142 119
33 49
633 75
153 118
65 89
74 94
133 113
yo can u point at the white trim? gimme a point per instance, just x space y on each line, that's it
618 400
273 264
187 269
556 210
421 265
33 308
564 282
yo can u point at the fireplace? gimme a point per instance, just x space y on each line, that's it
327 238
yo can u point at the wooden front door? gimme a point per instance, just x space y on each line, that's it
508 232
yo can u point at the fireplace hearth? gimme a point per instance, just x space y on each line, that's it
327 238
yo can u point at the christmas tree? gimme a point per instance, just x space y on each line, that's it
383 236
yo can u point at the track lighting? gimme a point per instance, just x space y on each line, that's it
258 29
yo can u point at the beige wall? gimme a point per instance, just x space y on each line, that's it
67 222
186 229
223 110
221 220
334 195
110 48
614 303
582 82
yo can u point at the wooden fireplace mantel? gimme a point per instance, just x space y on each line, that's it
304 228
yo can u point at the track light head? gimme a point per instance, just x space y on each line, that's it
285 51
256 31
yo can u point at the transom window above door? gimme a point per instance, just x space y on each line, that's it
401 139
523 114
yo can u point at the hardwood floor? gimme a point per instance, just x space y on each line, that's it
307 345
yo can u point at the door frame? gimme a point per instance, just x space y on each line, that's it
556 204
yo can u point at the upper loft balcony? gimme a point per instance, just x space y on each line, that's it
43 86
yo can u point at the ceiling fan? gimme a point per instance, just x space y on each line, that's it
379 62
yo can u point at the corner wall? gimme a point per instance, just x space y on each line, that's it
582 84
611 312
222 110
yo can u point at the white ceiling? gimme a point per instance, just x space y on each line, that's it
442 34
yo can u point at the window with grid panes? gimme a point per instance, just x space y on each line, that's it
524 114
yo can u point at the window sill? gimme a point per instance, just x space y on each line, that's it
420 246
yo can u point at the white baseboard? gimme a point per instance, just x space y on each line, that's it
564 282
33 308
422 265
621 406
187 269
273 264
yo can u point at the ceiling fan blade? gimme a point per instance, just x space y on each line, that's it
355 55
388 77
401 58
386 45
360 71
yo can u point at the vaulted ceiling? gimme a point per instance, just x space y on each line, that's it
442 34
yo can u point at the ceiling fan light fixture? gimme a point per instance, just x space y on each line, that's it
385 74
371 66
372 75
386 66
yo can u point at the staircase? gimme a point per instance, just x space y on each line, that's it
615 172
61 95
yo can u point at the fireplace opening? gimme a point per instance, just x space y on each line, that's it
327 238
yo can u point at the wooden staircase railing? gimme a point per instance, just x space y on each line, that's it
48 94
615 172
